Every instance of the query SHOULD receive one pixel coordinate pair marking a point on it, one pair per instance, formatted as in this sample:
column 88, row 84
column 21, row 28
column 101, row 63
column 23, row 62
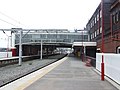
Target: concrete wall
column 4, row 54
column 112, row 65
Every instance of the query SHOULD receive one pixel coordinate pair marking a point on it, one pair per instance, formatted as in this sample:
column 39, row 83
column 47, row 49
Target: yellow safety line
column 38, row 76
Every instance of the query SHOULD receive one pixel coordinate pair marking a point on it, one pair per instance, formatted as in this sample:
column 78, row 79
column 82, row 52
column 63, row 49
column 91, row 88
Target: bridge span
column 50, row 39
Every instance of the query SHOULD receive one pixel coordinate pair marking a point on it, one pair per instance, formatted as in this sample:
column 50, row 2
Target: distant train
column 5, row 50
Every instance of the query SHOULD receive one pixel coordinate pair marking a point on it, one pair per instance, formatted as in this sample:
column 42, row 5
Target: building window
column 116, row 17
column 87, row 28
column 118, row 50
column 91, row 36
column 95, row 19
column 98, row 17
column 95, row 33
column 100, row 29
column 100, row 13
column 119, row 15
column 93, row 22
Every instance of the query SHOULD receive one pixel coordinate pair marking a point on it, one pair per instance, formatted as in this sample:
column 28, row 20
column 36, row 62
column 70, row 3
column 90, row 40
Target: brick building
column 106, row 20
column 115, row 25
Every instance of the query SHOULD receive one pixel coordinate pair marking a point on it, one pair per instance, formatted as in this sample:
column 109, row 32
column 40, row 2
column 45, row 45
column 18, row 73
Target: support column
column 47, row 51
column 84, row 53
column 20, row 48
column 41, row 51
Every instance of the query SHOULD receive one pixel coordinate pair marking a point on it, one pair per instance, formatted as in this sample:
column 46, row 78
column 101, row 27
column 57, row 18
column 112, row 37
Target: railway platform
column 69, row 73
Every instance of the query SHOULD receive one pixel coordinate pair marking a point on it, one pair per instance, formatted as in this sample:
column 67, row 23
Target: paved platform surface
column 11, row 72
column 72, row 74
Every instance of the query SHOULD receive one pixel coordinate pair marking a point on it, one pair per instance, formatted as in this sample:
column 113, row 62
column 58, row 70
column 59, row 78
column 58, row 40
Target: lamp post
column 102, row 63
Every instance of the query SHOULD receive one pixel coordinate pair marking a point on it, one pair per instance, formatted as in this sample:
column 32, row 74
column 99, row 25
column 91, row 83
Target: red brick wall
column 110, row 45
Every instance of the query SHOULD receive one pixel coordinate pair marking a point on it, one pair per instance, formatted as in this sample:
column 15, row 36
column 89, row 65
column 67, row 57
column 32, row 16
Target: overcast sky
column 47, row 14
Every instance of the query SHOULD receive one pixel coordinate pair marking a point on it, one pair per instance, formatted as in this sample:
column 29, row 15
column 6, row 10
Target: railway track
column 11, row 73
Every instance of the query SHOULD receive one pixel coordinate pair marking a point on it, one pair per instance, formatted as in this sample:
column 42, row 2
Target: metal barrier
column 14, row 60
